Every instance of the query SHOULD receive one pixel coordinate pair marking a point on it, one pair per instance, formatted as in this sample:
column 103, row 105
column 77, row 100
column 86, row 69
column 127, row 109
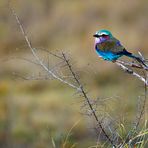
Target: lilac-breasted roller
column 109, row 48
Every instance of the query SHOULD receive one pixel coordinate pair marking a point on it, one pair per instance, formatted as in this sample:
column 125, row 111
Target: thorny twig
column 138, row 119
column 130, row 64
column 40, row 62
column 142, row 108
column 87, row 99
column 131, row 71
column 79, row 88
column 124, row 65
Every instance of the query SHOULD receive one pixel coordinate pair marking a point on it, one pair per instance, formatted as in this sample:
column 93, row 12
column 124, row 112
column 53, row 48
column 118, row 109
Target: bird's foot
column 114, row 61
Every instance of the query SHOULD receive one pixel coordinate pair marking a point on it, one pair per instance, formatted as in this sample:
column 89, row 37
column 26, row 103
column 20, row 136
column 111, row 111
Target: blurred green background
column 34, row 112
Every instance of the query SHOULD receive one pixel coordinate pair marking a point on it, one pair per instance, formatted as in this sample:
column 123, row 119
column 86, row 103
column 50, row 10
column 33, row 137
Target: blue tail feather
column 139, row 59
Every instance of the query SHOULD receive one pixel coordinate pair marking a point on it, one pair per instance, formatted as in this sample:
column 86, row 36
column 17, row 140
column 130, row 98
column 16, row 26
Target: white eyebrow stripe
column 103, row 33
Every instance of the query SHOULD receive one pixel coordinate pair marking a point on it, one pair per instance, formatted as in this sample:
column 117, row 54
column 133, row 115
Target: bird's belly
column 107, row 55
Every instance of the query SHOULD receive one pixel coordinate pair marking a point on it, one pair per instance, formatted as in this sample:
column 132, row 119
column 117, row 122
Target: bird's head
column 102, row 35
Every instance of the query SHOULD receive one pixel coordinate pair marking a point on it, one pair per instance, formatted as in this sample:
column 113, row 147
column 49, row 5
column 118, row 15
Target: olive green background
column 34, row 112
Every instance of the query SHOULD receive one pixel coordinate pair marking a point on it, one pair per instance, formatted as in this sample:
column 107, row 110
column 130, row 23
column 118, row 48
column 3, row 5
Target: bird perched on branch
column 109, row 48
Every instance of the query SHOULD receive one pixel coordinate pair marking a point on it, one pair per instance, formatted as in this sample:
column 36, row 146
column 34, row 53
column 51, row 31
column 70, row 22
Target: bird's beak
column 96, row 36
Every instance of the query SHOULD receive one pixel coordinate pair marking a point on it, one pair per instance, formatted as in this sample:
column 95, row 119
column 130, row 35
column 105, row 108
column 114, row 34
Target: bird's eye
column 104, row 35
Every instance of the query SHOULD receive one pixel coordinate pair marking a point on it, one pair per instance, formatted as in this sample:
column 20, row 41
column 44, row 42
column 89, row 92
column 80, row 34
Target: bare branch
column 142, row 107
column 79, row 87
column 92, row 110
column 35, row 54
column 51, row 53
column 22, row 58
column 138, row 117
column 130, row 64
column 130, row 71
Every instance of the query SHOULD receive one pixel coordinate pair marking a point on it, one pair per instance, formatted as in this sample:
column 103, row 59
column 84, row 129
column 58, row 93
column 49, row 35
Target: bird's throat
column 97, row 40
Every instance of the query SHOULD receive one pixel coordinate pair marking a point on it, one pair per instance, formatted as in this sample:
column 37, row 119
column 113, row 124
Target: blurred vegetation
column 33, row 113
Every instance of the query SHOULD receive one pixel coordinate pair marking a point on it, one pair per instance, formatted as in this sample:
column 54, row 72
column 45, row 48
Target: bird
column 109, row 48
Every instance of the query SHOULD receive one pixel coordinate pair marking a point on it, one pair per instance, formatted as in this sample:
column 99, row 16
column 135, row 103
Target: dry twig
column 87, row 99
column 78, row 87
column 126, row 66
column 123, row 65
